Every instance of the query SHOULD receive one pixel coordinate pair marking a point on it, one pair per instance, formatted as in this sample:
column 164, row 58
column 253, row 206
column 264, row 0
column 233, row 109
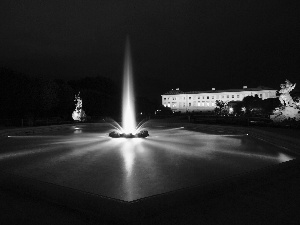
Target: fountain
column 81, row 167
column 78, row 114
column 129, row 129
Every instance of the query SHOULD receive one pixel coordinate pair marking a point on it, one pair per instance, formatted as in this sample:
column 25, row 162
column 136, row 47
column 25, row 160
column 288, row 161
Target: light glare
column 128, row 115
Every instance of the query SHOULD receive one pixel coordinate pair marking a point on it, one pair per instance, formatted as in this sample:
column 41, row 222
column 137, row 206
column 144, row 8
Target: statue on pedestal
column 78, row 113
column 288, row 109
column 285, row 97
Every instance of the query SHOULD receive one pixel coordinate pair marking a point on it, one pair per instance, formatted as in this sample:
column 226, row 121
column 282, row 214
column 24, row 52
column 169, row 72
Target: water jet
column 129, row 128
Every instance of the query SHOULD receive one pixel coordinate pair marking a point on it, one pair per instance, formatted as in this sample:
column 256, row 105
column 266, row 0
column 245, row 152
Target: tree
column 144, row 105
column 48, row 95
column 250, row 106
column 16, row 94
column 221, row 108
column 164, row 110
column 65, row 97
column 101, row 97
column 255, row 106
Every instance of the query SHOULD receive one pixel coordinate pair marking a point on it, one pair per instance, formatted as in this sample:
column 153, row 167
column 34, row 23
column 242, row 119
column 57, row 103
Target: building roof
column 174, row 92
column 260, row 88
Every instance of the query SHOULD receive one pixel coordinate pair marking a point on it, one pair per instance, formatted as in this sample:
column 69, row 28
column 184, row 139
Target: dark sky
column 193, row 45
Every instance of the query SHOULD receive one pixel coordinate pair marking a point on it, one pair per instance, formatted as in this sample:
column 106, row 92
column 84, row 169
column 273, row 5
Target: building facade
column 180, row 101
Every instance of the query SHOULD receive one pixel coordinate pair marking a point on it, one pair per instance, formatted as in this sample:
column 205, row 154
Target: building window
column 165, row 98
column 198, row 103
column 190, row 97
column 183, row 104
column 238, row 96
column 198, row 97
column 207, row 103
column 174, row 105
column 260, row 95
column 227, row 96
column 174, row 98
column 207, row 97
column 190, row 104
column 232, row 96
column 212, row 97
column 183, row 98
column 222, row 96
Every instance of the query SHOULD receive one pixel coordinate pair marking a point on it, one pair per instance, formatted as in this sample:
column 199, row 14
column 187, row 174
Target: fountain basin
column 173, row 164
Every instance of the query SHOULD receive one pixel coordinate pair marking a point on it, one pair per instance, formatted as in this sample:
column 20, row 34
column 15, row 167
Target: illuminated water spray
column 128, row 109
column 129, row 127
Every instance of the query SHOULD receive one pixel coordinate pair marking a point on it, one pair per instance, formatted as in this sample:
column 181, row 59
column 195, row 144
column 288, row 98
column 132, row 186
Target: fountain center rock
column 141, row 134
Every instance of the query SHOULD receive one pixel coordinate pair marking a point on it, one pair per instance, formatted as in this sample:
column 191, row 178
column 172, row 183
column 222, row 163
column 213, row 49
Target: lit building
column 190, row 101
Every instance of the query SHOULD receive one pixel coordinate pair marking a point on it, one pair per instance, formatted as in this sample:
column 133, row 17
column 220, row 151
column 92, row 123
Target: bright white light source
column 128, row 117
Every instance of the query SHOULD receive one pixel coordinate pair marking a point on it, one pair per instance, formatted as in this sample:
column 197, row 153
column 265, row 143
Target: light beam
column 128, row 112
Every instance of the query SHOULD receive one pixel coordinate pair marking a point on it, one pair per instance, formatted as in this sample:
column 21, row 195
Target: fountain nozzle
column 141, row 134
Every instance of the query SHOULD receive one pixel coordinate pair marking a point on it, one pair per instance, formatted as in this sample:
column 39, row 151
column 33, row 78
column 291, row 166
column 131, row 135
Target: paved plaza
column 172, row 158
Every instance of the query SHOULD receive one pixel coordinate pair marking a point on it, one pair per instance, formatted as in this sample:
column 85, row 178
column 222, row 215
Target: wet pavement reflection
column 86, row 158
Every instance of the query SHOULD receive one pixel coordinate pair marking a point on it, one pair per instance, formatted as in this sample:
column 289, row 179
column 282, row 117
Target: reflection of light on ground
column 128, row 156
column 208, row 146
column 20, row 153
column 84, row 144
column 131, row 149
column 224, row 135
column 283, row 157
column 72, row 141
column 77, row 131
column 180, row 141
column 34, row 136
column 79, row 151
column 88, row 148
column 132, row 168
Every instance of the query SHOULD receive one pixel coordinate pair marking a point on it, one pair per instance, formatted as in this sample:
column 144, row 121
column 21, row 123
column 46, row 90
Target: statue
column 78, row 113
column 285, row 97
column 288, row 109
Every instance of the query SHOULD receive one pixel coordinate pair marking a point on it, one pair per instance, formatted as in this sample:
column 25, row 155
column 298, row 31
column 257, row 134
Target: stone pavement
column 276, row 202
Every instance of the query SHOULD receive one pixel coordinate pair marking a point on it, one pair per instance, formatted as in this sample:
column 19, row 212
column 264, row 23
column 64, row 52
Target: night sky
column 193, row 45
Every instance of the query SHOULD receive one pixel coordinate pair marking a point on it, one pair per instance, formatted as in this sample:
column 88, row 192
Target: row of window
column 217, row 97
column 174, row 105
